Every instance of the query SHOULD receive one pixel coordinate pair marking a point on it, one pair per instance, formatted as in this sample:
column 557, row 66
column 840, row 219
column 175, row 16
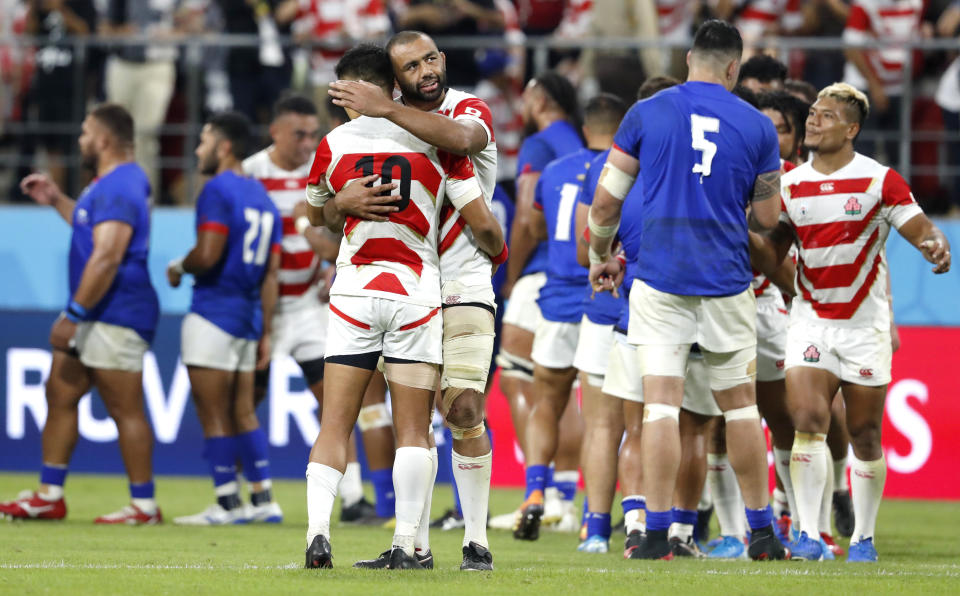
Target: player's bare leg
column 603, row 430
column 838, row 441
column 122, row 393
column 517, row 389
column 376, row 428
column 631, row 476
column 809, row 394
column 869, row 468
column 69, row 380
column 551, row 390
column 691, row 475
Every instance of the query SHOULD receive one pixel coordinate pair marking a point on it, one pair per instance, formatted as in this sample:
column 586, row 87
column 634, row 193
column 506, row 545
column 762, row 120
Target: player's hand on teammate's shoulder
column 40, row 188
column 62, row 332
column 367, row 202
column 937, row 251
column 361, row 96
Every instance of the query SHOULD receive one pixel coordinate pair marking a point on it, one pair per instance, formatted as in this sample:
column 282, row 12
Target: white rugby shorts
column 109, row 347
column 772, row 319
column 454, row 293
column 593, row 347
column 366, row 324
column 204, row 344
column 301, row 333
column 860, row 356
column 522, row 309
column 555, row 344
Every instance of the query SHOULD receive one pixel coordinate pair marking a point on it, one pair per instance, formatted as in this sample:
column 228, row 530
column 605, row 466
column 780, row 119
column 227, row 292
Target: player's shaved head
column 116, row 120
column 405, row 37
column 367, row 62
column 716, row 52
column 603, row 113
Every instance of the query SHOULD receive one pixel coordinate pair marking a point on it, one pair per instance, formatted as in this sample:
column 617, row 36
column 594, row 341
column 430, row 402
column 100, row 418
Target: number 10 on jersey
column 699, row 126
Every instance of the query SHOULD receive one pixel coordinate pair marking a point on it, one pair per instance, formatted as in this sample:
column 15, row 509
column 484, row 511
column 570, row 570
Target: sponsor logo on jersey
column 852, row 206
column 826, row 187
column 866, row 372
column 811, row 354
column 452, row 299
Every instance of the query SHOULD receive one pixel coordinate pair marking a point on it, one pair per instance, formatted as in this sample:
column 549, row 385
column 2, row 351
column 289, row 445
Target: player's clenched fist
column 40, row 188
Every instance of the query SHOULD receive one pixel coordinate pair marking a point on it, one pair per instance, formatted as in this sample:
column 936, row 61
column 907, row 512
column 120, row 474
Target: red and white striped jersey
column 460, row 257
column 337, row 20
column 763, row 16
column 675, row 18
column 298, row 263
column 396, row 259
column 506, row 109
column 841, row 221
column 891, row 21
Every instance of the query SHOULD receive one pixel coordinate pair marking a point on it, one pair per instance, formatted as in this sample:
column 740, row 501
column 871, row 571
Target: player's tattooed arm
column 765, row 211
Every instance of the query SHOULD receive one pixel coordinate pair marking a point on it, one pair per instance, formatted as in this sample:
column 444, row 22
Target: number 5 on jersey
column 699, row 126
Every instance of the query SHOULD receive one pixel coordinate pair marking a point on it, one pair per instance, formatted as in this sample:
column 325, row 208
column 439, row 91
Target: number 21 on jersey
column 259, row 223
column 699, row 126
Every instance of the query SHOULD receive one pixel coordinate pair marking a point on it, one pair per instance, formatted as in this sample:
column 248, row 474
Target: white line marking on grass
column 190, row 566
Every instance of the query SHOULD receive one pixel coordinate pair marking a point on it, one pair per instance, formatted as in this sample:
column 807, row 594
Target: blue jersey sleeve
column 277, row 239
column 538, row 195
column 768, row 158
column 111, row 203
column 213, row 209
column 628, row 136
column 534, row 155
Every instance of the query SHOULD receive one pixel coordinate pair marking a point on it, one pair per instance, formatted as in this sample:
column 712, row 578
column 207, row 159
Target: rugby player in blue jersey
column 226, row 335
column 706, row 157
column 100, row 338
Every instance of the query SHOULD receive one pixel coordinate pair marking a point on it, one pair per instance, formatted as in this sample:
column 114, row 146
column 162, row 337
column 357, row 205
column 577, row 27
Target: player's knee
column 374, row 416
column 731, row 369
column 463, row 433
column 463, row 408
column 656, row 412
column 864, row 435
column 746, row 413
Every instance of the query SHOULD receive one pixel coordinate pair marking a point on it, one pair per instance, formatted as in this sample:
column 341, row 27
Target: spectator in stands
column 621, row 72
column 339, row 25
column 454, row 18
column 948, row 98
column 502, row 93
column 879, row 73
column 142, row 78
column 760, row 20
column 258, row 75
column 763, row 73
column 824, row 18
column 54, row 98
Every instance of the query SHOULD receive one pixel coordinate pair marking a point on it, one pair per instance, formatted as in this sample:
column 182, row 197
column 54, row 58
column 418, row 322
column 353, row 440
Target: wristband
column 301, row 224
column 597, row 258
column 501, row 258
column 75, row 312
column 177, row 266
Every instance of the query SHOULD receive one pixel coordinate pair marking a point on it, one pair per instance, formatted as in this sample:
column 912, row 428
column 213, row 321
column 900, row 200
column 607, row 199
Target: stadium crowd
column 654, row 280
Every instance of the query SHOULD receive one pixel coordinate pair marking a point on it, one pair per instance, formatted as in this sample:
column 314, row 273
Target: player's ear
column 853, row 129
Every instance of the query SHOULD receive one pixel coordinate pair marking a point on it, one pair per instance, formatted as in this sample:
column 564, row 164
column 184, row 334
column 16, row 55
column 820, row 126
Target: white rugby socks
column 322, row 482
column 412, row 467
column 727, row 502
column 472, row 475
column 781, row 461
column 808, row 474
column 826, row 503
column 422, row 542
column 866, row 483
column 351, row 487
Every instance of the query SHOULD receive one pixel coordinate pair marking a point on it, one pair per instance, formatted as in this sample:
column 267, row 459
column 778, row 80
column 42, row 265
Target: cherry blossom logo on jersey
column 811, row 354
column 826, row 187
column 452, row 299
column 866, row 372
column 852, row 206
column 780, row 364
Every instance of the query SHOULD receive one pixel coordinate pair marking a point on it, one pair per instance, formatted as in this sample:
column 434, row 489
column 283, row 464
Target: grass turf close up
column 918, row 554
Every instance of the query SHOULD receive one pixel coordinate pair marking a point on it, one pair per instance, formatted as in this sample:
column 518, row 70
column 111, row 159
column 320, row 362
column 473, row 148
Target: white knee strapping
column 617, row 182
column 460, row 433
column 654, row 412
column 663, row 361
column 375, row 416
column 468, row 335
column 419, row 375
column 514, row 366
column 729, row 369
column 745, row 413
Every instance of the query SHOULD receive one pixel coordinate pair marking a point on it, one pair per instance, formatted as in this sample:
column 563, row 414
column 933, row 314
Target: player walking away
column 838, row 209
column 100, row 338
column 560, row 302
column 300, row 323
column 458, row 123
column 694, row 206
column 386, row 298
column 226, row 334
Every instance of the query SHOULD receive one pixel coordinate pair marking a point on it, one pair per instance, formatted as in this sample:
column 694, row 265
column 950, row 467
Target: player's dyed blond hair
column 850, row 96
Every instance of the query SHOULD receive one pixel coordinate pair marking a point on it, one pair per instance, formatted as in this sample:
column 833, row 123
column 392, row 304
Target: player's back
column 228, row 294
column 396, row 259
column 700, row 150
column 121, row 195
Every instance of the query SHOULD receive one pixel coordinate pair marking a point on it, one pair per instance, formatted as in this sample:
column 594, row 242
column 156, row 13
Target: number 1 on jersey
column 568, row 202
column 699, row 126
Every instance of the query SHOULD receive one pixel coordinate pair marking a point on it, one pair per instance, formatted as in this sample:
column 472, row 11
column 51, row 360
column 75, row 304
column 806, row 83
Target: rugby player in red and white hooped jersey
column 838, row 209
column 458, row 123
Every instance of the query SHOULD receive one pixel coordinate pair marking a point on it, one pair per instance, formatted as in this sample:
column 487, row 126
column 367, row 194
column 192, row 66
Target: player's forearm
column 522, row 246
column 333, row 217
column 64, row 206
column 767, row 253
column 784, row 277
column 859, row 60
column 269, row 293
column 440, row 131
column 315, row 215
column 196, row 262
column 96, row 279
column 323, row 244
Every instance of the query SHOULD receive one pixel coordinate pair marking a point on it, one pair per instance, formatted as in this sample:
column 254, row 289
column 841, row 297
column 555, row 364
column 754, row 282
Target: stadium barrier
column 920, row 435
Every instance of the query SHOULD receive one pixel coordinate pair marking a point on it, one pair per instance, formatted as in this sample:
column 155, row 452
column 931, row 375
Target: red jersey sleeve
column 474, row 108
column 458, row 167
column 858, row 20
column 895, row 190
column 321, row 162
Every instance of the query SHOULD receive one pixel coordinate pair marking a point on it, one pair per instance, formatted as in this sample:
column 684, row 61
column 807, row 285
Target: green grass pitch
column 917, row 541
